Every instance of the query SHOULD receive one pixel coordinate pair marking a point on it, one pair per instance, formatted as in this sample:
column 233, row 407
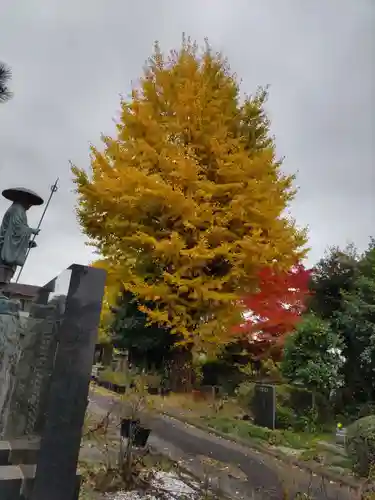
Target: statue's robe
column 15, row 236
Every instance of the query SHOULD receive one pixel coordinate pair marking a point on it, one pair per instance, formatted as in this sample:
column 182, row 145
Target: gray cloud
column 71, row 61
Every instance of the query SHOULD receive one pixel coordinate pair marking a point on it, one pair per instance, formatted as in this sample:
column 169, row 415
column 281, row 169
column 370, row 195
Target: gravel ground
column 173, row 487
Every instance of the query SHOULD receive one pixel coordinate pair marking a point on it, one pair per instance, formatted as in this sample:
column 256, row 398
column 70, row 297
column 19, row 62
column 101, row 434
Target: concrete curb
column 355, row 484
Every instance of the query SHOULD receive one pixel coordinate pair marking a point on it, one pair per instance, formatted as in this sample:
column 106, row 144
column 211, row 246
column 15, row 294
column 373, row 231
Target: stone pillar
column 33, row 373
column 11, row 332
column 66, row 402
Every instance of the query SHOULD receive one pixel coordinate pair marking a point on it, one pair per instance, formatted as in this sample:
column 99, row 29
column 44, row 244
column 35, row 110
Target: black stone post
column 66, row 402
column 264, row 405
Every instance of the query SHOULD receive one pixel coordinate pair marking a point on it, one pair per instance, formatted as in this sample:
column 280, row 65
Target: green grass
column 248, row 431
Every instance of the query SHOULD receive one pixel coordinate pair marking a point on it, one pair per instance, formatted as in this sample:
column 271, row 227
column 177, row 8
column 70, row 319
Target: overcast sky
column 72, row 59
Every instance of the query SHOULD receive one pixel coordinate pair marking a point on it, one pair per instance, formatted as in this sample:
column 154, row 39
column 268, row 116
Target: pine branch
column 5, row 75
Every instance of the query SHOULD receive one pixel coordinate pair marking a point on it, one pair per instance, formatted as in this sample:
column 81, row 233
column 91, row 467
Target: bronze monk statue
column 15, row 234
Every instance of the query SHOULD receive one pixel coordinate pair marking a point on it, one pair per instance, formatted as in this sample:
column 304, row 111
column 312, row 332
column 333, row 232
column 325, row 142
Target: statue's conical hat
column 23, row 194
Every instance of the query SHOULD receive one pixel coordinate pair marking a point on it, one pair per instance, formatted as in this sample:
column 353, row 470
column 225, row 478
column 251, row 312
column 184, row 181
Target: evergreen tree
column 355, row 323
column 334, row 274
column 5, row 75
column 313, row 356
column 148, row 345
column 343, row 285
column 367, row 262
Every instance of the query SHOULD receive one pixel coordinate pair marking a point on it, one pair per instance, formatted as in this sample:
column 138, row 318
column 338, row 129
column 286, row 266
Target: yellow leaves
column 187, row 202
column 111, row 291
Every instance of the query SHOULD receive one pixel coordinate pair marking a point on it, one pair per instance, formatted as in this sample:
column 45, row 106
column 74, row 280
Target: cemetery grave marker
column 264, row 405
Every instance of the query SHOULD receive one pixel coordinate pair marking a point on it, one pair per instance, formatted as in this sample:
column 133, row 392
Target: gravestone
column 46, row 362
column 264, row 405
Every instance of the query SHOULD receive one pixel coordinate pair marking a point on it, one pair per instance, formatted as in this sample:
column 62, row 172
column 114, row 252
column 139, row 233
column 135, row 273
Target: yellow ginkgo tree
column 187, row 202
column 111, row 293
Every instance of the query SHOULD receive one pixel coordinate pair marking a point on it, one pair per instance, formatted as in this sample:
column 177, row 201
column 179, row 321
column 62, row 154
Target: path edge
column 355, row 484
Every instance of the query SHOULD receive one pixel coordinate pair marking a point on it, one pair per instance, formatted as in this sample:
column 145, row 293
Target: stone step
column 19, row 451
column 16, row 481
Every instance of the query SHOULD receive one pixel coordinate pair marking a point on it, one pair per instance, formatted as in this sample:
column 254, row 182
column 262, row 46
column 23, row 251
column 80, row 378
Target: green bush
column 283, row 394
column 275, row 438
column 246, row 430
column 112, row 377
column 257, row 432
column 295, row 440
column 285, row 417
column 360, row 445
column 294, row 407
column 366, row 410
column 301, row 399
column 297, row 408
column 245, row 394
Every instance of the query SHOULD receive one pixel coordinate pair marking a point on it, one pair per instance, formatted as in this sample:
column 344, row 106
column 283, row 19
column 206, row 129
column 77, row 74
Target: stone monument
column 49, row 359
column 15, row 241
column 45, row 367
column 15, row 234
column 264, row 405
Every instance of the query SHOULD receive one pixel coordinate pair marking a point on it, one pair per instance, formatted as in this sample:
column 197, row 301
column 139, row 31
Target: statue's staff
column 31, row 244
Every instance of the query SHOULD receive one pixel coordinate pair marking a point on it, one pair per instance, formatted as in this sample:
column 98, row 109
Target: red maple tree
column 275, row 310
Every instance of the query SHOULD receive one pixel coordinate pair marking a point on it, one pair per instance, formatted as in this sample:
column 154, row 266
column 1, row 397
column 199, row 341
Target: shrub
column 245, row 394
column 246, row 430
column 360, row 444
column 223, row 373
column 300, row 399
column 366, row 410
column 275, row 438
column 298, row 408
column 285, row 417
column 294, row 407
column 257, row 432
column 283, row 394
column 222, row 424
column 293, row 440
column 153, row 381
column 116, row 378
